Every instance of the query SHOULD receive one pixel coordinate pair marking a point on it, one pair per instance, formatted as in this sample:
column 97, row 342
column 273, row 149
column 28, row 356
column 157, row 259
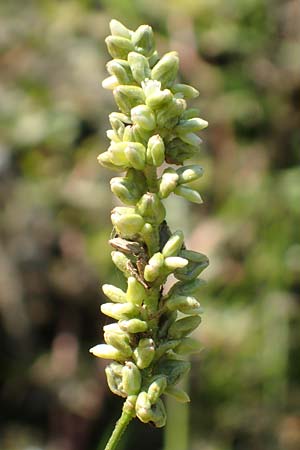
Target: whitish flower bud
column 110, row 83
column 133, row 325
column 178, row 394
column 139, row 66
column 107, row 352
column 136, row 155
column 118, row 29
column 143, row 407
column 174, row 244
column 175, row 262
column 185, row 90
column 135, row 291
column 190, row 126
column 119, row 47
column 120, row 311
column 166, row 69
column 121, row 70
column 187, row 346
column 168, row 115
column 143, row 116
column 113, row 136
column 190, row 173
column 188, row 194
column 117, row 153
column 190, row 138
column 121, row 261
column 120, row 116
column 114, row 378
column 186, row 305
column 105, row 161
column 156, row 388
column 143, row 40
column 124, row 190
column 114, row 293
column 155, row 153
column 173, row 369
column 127, row 224
column 168, row 182
column 159, row 99
column 151, row 208
column 183, row 327
column 197, row 263
column 128, row 97
column 117, row 125
column 131, row 378
column 144, row 353
column 118, row 339
column 154, row 267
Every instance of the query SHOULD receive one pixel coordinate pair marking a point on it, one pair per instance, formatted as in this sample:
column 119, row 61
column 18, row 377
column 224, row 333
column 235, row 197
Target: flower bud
column 107, row 352
column 119, row 47
column 127, row 224
column 131, row 377
column 190, row 113
column 168, row 182
column 124, row 190
column 177, row 393
column 143, row 116
column 188, row 346
column 158, row 414
column 117, row 153
column 118, row 339
column 186, row 305
column 197, row 263
column 190, row 138
column 155, row 154
column 188, row 194
column 133, row 325
column 143, row 40
column 183, row 327
column 190, row 126
column 168, row 115
column 127, row 97
column 135, row 292
column 112, row 135
column 151, row 208
column 156, row 388
column 166, row 69
column 175, row 262
column 154, row 267
column 114, row 378
column 174, row 244
column 136, row 155
column 173, row 369
column 190, row 173
column 178, row 151
column 185, row 90
column 122, row 262
column 110, row 83
column 117, row 125
column 114, row 293
column 144, row 353
column 119, row 311
column 118, row 29
column 121, row 70
column 139, row 66
column 143, row 407
column 104, row 160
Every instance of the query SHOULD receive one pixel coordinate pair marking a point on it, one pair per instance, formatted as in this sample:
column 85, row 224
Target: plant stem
column 119, row 429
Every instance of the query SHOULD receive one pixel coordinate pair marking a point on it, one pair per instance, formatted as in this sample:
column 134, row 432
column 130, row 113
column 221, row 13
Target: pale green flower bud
column 187, row 346
column 120, row 311
column 175, row 262
column 127, row 97
column 110, row 83
column 133, row 326
column 177, row 393
column 155, row 153
column 190, row 126
column 124, row 190
column 121, row 70
column 119, row 47
column 159, row 99
column 168, row 115
column 114, row 293
column 159, row 414
column 151, row 208
column 190, row 138
column 188, row 194
column 136, row 155
column 174, row 244
column 127, row 224
column 144, row 353
column 117, row 153
column 104, row 160
column 197, row 263
column 143, row 116
column 143, row 40
column 154, row 267
column 153, row 58
column 140, row 134
column 186, row 305
column 114, row 378
column 156, row 388
column 121, row 261
column 119, row 116
column 118, row 29
column 190, row 113
column 112, row 135
column 178, row 151
column 143, row 407
column 132, row 378
column 135, row 292
column 183, row 327
column 139, row 66
column 118, row 339
column 166, row 69
column 107, row 352
column 190, row 173
column 168, row 182
column 174, row 369
column 185, row 90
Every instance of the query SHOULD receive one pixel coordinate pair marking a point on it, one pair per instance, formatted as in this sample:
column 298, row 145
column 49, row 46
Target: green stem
column 119, row 429
column 176, row 431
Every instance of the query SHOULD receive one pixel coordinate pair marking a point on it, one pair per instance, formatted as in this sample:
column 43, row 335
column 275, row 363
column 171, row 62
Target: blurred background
column 244, row 58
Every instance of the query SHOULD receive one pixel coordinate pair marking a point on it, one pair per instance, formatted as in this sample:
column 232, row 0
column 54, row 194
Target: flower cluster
column 149, row 341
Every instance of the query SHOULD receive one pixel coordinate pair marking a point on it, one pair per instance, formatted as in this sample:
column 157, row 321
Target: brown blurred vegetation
column 243, row 56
